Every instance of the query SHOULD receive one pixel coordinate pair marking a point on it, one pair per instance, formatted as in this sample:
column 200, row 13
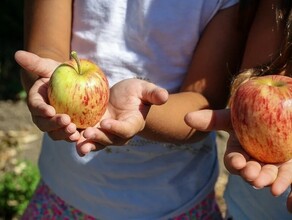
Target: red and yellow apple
column 80, row 89
column 261, row 115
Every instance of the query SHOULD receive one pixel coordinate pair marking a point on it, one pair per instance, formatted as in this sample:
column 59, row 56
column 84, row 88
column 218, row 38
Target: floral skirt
column 45, row 204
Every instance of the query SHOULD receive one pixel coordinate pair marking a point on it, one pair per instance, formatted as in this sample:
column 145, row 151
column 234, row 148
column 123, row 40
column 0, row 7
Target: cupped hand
column 129, row 104
column 58, row 126
column 277, row 176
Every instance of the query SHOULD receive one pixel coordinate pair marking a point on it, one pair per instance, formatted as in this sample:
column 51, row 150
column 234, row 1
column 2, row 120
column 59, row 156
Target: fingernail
column 257, row 188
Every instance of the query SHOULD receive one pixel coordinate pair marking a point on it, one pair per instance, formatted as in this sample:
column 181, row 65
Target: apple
column 80, row 89
column 261, row 115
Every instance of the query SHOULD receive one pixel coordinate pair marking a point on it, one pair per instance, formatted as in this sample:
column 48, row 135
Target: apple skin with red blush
column 80, row 89
column 261, row 116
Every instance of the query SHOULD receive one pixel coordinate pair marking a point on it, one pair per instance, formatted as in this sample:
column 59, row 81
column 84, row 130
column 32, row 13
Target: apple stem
column 75, row 57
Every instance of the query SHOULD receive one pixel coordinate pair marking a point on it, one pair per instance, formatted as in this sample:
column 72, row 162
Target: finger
column 234, row 162
column 262, row 176
column 53, row 123
column 251, row 171
column 103, row 138
column 235, row 158
column 84, row 146
column 126, row 128
column 283, row 180
column 68, row 133
column 41, row 109
column 74, row 137
column 37, row 100
column 35, row 64
column 207, row 120
column 153, row 94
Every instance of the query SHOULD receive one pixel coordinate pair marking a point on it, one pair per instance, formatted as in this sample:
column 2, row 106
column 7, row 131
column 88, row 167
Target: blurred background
column 19, row 139
column 11, row 39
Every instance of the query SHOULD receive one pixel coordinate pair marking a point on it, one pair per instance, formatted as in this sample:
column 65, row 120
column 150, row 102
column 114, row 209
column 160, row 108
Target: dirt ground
column 16, row 128
column 17, row 132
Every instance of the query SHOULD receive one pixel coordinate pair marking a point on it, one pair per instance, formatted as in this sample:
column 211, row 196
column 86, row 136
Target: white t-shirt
column 154, row 39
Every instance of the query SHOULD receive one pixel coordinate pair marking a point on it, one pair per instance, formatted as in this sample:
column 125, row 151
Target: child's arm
column 47, row 33
column 206, row 85
column 217, row 55
column 263, row 44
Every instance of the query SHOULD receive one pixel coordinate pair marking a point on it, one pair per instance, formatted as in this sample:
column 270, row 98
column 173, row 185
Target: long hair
column 282, row 61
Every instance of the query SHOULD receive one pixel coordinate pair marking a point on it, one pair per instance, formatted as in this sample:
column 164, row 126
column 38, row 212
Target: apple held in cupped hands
column 80, row 89
column 261, row 115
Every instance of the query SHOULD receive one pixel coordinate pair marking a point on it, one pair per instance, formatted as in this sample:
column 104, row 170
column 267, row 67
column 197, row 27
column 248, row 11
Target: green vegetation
column 16, row 188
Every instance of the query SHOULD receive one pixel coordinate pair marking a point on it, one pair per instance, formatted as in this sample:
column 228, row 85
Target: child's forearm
column 166, row 122
column 47, row 31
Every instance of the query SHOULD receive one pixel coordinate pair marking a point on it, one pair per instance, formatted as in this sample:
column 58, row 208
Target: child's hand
column 130, row 101
column 237, row 161
column 58, row 126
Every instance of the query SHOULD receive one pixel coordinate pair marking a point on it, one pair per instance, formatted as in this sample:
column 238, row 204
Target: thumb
column 32, row 63
column 153, row 94
column 208, row 120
